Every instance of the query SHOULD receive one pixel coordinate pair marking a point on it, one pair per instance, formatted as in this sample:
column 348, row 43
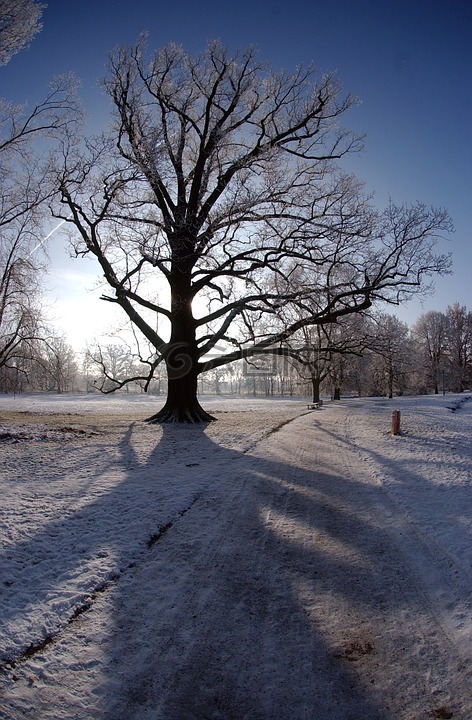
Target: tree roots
column 174, row 415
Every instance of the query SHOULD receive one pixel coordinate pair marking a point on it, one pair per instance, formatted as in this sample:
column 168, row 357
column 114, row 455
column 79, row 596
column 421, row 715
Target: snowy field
column 280, row 563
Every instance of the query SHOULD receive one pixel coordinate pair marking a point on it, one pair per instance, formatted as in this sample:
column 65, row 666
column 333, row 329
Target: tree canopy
column 222, row 178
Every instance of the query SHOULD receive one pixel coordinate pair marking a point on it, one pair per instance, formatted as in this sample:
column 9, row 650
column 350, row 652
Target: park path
column 285, row 593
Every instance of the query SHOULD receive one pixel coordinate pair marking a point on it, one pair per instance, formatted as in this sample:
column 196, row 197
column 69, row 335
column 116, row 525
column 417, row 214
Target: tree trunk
column 182, row 404
column 390, row 381
column 315, row 382
column 337, row 393
column 181, row 357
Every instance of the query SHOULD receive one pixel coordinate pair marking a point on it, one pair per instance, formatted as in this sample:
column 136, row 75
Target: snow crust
column 280, row 557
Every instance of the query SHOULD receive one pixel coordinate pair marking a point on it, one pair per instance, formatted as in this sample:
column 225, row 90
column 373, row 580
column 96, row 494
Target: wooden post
column 395, row 422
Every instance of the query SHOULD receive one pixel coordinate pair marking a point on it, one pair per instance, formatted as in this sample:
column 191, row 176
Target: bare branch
column 220, row 179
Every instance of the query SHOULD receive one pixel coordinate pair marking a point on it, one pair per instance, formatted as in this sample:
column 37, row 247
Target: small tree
column 392, row 347
column 459, row 346
column 430, row 335
column 55, row 368
column 326, row 354
column 20, row 315
column 116, row 365
column 220, row 179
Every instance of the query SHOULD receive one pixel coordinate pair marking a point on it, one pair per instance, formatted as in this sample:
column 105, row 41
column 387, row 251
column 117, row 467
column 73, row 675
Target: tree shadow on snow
column 243, row 608
column 236, row 578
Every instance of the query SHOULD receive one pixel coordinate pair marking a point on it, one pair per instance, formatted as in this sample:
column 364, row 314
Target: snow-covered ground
column 279, row 563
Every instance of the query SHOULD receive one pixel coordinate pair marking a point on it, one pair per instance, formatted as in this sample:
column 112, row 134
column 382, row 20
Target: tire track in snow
column 443, row 580
column 280, row 589
column 394, row 619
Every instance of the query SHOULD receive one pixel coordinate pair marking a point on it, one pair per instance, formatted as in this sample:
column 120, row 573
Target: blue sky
column 409, row 62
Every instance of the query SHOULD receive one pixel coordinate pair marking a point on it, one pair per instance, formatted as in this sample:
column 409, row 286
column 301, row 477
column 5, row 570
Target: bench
column 315, row 406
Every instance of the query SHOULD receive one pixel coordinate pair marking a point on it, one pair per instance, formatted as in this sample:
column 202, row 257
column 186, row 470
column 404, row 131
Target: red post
column 395, row 422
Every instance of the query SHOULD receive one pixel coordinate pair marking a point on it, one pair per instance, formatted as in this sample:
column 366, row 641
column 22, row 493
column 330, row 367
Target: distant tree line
column 382, row 356
column 364, row 356
column 368, row 356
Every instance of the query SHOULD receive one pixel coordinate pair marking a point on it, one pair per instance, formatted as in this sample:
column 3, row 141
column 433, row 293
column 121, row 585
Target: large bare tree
column 221, row 179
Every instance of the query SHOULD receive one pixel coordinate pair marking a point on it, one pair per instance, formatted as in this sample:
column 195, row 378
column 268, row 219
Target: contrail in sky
column 40, row 243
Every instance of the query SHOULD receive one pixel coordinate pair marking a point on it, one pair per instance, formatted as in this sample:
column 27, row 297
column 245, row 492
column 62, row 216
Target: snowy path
column 288, row 579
